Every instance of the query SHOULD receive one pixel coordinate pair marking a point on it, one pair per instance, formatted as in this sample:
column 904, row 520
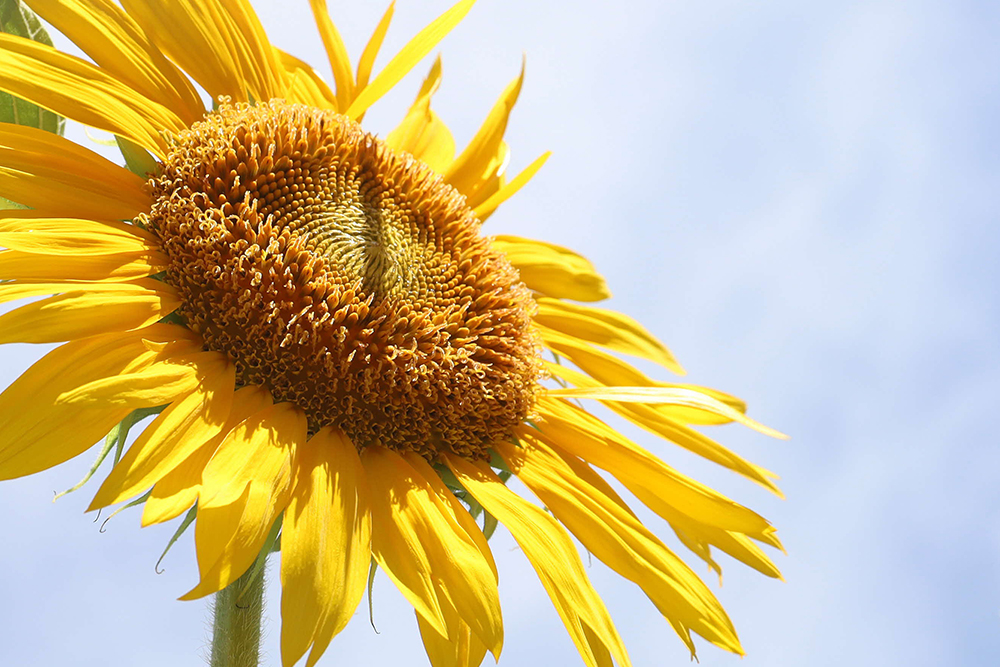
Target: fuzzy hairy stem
column 236, row 630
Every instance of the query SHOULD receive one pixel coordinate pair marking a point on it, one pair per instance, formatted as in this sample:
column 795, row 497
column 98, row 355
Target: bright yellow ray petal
column 244, row 488
column 45, row 171
column 585, row 436
column 156, row 384
column 192, row 35
column 305, row 85
column 188, row 423
column 553, row 270
column 408, row 57
column 657, row 420
column 37, row 433
column 367, row 60
column 116, row 43
column 340, row 63
column 178, row 489
column 57, row 236
column 666, row 396
column 614, row 535
column 465, row 650
column 555, row 560
column 83, row 92
column 485, row 157
column 422, row 133
column 81, row 314
column 266, row 77
column 15, row 265
column 427, row 554
column 325, row 544
column 606, row 328
column 486, row 209
column 12, row 291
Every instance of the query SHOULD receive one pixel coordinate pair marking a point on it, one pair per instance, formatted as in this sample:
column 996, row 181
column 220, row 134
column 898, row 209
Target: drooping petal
column 56, row 236
column 572, row 492
column 407, row 58
column 325, row 544
column 81, row 314
column 48, row 172
column 464, row 649
column 38, row 433
column 585, row 436
column 427, row 554
column 553, row 270
column 422, row 133
column 245, row 487
column 116, row 43
column 555, row 560
column 83, row 92
column 188, row 423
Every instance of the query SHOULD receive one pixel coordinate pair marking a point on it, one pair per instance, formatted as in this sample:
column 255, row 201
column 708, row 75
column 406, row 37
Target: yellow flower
column 329, row 337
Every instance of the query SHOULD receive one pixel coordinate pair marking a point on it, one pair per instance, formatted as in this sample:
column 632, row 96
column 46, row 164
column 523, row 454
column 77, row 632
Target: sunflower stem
column 237, row 613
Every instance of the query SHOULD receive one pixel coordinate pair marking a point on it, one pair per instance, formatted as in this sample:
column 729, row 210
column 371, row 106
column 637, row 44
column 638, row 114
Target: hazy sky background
column 801, row 200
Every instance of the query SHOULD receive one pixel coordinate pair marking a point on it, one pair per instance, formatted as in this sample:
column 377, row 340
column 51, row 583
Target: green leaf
column 16, row 19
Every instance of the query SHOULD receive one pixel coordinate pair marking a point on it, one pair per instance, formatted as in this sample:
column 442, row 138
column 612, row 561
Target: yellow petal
column 13, row 290
column 15, row 265
column 426, row 553
column 37, row 433
column 608, row 530
column 464, row 650
column 188, row 423
column 48, row 172
column 57, row 236
column 585, row 436
column 116, row 43
column 203, row 37
column 666, row 396
column 486, row 209
column 657, row 420
column 553, row 270
column 422, row 133
column 83, row 92
column 606, row 328
column 484, row 157
column 337, row 53
column 262, row 68
column 367, row 60
column 305, row 85
column 407, row 58
column 244, row 488
column 178, row 489
column 555, row 560
column 325, row 544
column 81, row 314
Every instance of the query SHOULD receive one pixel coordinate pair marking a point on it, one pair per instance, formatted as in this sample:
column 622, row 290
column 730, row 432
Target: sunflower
column 340, row 362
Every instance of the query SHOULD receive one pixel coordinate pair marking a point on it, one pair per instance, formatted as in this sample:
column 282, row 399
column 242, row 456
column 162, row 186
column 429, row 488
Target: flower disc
column 346, row 278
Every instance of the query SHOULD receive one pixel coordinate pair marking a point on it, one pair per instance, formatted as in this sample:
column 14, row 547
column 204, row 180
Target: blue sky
column 800, row 199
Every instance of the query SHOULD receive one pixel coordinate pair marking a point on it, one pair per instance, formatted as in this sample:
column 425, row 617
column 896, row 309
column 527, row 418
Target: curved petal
column 325, row 545
column 68, row 236
column 340, row 63
column 16, row 265
column 508, row 190
column 553, row 270
column 463, row 650
column 422, row 133
column 305, row 85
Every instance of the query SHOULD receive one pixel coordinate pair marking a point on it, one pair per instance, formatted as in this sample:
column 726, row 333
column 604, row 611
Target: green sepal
column 137, row 159
column 6, row 204
column 16, row 19
column 138, row 501
column 188, row 518
column 372, row 569
column 117, row 436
